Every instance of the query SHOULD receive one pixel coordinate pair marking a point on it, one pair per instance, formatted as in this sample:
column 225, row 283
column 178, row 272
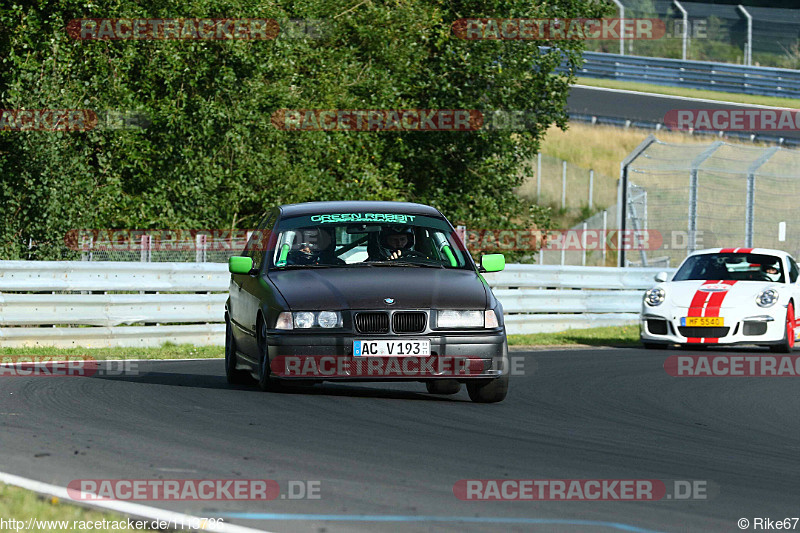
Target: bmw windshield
column 367, row 240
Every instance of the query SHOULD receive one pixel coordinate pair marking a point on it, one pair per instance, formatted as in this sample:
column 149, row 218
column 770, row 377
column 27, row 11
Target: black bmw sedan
column 364, row 291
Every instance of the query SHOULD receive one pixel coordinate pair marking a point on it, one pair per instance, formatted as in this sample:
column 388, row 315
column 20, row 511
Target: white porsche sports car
column 724, row 296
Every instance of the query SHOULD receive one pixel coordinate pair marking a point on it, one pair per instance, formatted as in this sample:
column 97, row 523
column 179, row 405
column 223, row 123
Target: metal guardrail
column 87, row 303
column 761, row 81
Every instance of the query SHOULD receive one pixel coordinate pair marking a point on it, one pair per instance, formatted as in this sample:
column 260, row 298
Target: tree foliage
column 209, row 156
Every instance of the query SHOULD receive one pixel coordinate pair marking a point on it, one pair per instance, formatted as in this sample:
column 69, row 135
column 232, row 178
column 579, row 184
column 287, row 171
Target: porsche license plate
column 703, row 321
column 388, row 348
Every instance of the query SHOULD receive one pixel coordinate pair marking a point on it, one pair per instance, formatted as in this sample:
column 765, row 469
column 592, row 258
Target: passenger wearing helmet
column 315, row 247
column 393, row 242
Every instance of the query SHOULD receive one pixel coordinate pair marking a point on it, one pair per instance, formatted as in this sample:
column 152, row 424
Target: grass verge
column 608, row 336
column 167, row 351
column 691, row 93
column 23, row 505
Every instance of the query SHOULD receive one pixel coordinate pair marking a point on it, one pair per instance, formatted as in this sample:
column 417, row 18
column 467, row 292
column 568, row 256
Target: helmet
column 312, row 242
column 389, row 240
column 772, row 271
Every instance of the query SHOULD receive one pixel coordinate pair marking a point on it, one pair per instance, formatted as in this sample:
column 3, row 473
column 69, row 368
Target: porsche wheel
column 787, row 344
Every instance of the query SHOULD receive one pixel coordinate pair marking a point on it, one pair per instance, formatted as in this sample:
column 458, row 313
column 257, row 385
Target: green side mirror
column 240, row 265
column 493, row 262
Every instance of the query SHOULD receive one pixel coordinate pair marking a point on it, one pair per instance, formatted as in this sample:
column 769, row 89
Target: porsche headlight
column 654, row 297
column 767, row 298
column 460, row 319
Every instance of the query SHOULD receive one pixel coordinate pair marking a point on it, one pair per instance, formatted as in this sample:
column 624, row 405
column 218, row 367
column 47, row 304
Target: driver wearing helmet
column 393, row 241
column 772, row 271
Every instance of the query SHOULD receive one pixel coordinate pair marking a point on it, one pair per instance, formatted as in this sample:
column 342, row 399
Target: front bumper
column 741, row 326
column 463, row 356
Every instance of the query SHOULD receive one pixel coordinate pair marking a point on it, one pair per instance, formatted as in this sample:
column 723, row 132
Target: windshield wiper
column 296, row 267
column 404, row 263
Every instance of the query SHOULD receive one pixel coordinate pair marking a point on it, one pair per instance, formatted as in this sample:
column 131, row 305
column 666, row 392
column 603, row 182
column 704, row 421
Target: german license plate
column 703, row 321
column 388, row 348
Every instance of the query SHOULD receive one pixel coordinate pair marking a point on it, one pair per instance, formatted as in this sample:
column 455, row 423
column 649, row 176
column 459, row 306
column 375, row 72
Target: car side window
column 256, row 245
column 793, row 270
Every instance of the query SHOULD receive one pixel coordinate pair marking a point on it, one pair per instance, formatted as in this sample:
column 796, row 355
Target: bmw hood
column 368, row 287
column 726, row 294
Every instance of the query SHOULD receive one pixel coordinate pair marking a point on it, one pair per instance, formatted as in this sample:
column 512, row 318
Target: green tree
column 210, row 158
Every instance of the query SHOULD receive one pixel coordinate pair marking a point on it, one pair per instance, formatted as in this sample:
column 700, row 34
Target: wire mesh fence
column 714, row 32
column 711, row 195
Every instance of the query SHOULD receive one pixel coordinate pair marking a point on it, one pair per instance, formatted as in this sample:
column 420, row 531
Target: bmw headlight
column 328, row 319
column 767, row 298
column 309, row 319
column 303, row 320
column 654, row 297
column 460, row 319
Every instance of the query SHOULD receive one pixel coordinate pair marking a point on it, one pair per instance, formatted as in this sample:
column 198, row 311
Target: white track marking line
column 131, row 509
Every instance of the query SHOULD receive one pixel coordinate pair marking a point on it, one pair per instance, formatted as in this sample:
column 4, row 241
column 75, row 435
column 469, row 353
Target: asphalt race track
column 387, row 456
column 644, row 107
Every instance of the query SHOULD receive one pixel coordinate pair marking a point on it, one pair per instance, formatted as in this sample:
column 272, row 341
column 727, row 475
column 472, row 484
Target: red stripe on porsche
column 736, row 250
column 707, row 304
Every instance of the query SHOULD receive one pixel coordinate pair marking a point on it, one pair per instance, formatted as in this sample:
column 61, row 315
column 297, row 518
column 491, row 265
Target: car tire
column 491, row 391
column 443, row 386
column 787, row 344
column 234, row 376
column 265, row 381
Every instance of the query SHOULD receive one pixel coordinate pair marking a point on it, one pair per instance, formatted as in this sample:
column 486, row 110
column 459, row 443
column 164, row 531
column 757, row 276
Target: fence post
column 200, row 242
column 144, row 252
column 583, row 245
column 605, row 229
column 538, row 176
column 591, row 187
column 749, row 220
column 693, row 193
column 563, row 185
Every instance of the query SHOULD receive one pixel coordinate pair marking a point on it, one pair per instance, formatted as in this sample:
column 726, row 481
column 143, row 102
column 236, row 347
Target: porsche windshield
column 731, row 266
column 367, row 240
